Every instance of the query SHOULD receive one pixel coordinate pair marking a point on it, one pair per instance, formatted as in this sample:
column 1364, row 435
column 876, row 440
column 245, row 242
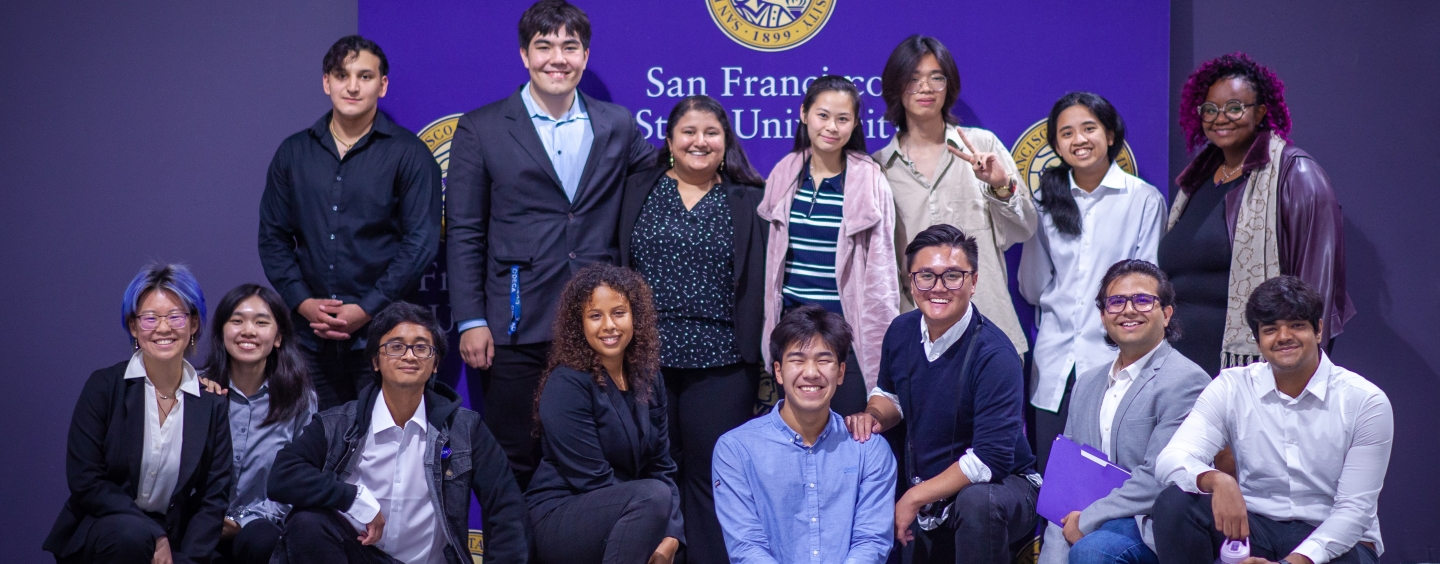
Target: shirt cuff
column 974, row 469
column 1192, row 469
column 1314, row 550
column 469, row 324
column 876, row 391
column 365, row 508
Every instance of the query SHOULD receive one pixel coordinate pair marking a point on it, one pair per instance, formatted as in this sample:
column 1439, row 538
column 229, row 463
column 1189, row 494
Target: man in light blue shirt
column 792, row 485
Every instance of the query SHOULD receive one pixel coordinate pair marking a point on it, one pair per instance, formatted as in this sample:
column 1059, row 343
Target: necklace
column 1225, row 176
column 342, row 141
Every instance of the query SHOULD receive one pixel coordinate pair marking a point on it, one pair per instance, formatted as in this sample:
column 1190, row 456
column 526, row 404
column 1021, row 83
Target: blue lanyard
column 514, row 298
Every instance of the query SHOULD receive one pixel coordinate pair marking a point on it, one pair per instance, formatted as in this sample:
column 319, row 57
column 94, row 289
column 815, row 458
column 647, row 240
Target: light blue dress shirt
column 567, row 142
column 255, row 448
column 781, row 501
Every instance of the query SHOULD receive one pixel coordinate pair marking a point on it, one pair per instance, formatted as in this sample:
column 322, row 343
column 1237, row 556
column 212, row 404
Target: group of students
column 617, row 306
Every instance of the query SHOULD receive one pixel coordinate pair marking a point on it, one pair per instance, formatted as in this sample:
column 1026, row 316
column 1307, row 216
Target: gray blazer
column 1152, row 409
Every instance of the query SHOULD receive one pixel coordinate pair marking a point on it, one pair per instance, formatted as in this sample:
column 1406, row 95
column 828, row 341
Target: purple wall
column 134, row 131
column 1361, row 83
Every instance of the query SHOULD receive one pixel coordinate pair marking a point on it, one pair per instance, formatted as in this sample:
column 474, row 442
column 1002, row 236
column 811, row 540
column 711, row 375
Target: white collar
column 951, row 335
column 576, row 111
column 189, row 379
column 381, row 420
column 1318, row 385
column 1114, row 179
column 1132, row 371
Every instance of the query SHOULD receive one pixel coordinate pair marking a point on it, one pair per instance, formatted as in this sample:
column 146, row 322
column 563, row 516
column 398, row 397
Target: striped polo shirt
column 814, row 229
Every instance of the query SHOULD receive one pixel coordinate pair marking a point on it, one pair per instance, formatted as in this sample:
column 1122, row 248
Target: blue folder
column 1075, row 477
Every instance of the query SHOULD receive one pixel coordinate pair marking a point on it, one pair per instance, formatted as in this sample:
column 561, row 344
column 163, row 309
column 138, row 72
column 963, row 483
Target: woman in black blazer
column 148, row 456
column 604, row 491
column 688, row 225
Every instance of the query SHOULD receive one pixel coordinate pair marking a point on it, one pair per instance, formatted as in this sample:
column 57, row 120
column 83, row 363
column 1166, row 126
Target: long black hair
column 285, row 369
column 736, row 167
column 830, row 83
column 1055, row 197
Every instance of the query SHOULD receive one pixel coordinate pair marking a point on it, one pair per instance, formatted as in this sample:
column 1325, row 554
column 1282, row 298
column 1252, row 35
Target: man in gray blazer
column 1128, row 410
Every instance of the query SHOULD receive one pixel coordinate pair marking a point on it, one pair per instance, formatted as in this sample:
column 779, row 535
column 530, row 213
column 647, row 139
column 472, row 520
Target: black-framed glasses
column 397, row 349
column 150, row 321
column 1143, row 303
column 937, row 83
column 925, row 280
column 1233, row 110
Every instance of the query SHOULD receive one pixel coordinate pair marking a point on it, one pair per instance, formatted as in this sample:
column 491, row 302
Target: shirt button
column 337, row 178
column 572, row 255
column 332, row 267
column 332, row 296
column 812, row 485
column 814, row 552
column 332, row 236
column 572, row 217
column 334, row 208
column 812, row 519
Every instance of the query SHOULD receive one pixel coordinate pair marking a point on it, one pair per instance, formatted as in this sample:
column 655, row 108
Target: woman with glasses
column 688, row 225
column 831, row 217
column 1092, row 215
column 253, row 358
column 148, row 455
column 944, row 173
column 1251, row 206
column 604, row 490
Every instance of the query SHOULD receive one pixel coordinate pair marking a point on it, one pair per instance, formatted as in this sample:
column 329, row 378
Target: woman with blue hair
column 148, row 455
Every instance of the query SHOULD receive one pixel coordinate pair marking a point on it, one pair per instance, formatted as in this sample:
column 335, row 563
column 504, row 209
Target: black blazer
column 102, row 467
column 505, row 206
column 591, row 440
column 751, row 235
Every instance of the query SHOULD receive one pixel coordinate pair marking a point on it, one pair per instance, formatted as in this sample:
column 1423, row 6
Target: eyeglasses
column 936, row 81
column 397, row 349
column 149, row 321
column 1233, row 110
column 1143, row 303
column 925, row 280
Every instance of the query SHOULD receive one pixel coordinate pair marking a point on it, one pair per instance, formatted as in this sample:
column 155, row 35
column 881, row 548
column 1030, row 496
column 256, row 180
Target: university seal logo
column 1033, row 155
column 770, row 25
column 437, row 137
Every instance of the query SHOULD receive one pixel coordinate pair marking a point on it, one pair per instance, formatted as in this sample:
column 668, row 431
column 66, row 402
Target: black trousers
column 1185, row 533
column 323, row 536
column 338, row 371
column 119, row 539
column 253, row 545
column 507, row 392
column 1047, row 425
column 619, row 524
column 705, row 403
column 988, row 524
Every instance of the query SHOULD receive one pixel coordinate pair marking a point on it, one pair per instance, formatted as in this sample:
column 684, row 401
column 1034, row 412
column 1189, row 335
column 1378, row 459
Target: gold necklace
column 342, row 141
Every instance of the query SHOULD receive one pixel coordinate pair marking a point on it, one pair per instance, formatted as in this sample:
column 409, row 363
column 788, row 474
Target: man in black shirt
column 349, row 220
column 534, row 195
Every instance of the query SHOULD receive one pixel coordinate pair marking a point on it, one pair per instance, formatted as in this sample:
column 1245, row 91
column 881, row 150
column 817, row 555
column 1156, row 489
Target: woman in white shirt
column 148, row 455
column 1092, row 215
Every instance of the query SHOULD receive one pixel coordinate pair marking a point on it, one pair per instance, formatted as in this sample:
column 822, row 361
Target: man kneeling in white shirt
column 1311, row 440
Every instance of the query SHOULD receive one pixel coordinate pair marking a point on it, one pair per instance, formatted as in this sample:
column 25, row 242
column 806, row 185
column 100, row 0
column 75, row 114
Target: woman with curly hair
column 604, row 490
column 1251, row 206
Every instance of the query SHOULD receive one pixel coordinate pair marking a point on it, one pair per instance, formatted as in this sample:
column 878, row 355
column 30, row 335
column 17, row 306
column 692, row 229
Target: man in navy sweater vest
column 957, row 381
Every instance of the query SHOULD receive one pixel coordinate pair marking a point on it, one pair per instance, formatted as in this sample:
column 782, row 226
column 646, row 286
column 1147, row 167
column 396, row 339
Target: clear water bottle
column 1234, row 551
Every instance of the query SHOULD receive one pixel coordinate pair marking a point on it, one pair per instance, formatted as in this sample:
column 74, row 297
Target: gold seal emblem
column 437, row 137
column 770, row 25
column 1033, row 155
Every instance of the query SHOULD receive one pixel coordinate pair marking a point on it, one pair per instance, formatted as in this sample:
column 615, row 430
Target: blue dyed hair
column 174, row 278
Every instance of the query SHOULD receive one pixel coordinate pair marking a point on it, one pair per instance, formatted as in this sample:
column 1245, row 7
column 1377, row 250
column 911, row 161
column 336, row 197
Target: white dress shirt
column 1318, row 458
column 391, row 480
column 160, row 461
column 1123, row 218
column 970, row 464
column 1120, row 381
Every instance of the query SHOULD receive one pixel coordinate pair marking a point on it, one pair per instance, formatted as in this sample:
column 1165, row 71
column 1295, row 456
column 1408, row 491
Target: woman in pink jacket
column 832, row 234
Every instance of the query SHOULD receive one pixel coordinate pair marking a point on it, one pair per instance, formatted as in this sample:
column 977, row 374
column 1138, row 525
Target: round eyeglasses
column 1233, row 110
column 422, row 351
column 150, row 321
column 937, row 83
column 925, row 280
column 1143, row 303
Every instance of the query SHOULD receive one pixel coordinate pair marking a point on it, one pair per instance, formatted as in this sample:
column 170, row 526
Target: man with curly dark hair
column 1251, row 206
column 605, row 486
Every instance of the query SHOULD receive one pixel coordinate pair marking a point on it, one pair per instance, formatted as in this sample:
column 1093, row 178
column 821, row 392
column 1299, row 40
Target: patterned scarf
column 1255, row 255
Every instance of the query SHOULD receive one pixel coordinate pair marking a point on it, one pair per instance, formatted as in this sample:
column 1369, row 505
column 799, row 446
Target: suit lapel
column 601, row 128
column 192, row 445
column 625, row 411
column 523, row 131
column 742, row 222
column 1147, row 373
column 134, row 429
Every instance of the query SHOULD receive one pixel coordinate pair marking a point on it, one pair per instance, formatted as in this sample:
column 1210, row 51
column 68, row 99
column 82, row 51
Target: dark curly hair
column 571, row 350
column 1269, row 92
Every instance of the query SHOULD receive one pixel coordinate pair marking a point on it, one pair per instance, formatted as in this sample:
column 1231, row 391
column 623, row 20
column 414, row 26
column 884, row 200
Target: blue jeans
column 1118, row 541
